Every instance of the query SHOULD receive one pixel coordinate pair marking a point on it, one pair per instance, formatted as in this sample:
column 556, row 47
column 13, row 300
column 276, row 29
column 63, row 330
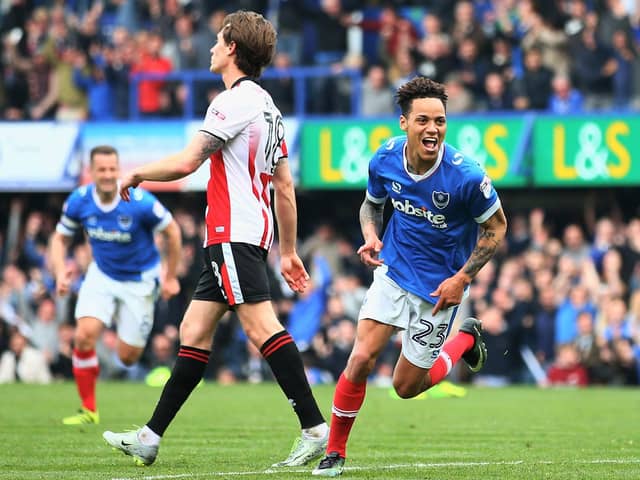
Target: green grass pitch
column 238, row 431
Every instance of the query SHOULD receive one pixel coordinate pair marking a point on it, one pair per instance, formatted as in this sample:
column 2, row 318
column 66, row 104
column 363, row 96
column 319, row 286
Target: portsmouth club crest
column 440, row 199
column 124, row 221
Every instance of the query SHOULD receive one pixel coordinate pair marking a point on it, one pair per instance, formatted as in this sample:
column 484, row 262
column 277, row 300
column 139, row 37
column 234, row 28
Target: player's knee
column 361, row 364
column 405, row 390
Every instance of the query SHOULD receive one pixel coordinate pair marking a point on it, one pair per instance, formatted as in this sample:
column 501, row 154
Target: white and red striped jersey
column 238, row 192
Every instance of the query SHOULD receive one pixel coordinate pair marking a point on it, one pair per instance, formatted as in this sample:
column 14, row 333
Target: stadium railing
column 300, row 75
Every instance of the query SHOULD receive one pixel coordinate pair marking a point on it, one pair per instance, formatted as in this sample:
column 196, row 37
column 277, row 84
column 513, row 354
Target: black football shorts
column 233, row 273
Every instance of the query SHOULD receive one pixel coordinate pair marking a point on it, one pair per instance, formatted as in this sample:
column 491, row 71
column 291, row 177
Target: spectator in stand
column 466, row 27
column 62, row 365
column 502, row 60
column 471, row 66
column 577, row 302
column 625, row 363
column 590, row 350
column 433, row 57
column 180, row 50
column 460, row 99
column 402, row 69
column 615, row 16
column 497, row 337
column 544, row 324
column 630, row 251
column 44, row 330
column 533, row 89
column 497, row 97
column 377, row 96
column 290, row 24
column 611, row 275
column 89, row 75
column 594, row 66
column 119, row 57
column 575, row 244
column 564, row 98
column 396, row 34
column 550, row 42
column 22, row 362
column 625, row 55
column 615, row 321
column 579, row 17
column 281, row 88
column 150, row 61
column 567, row 369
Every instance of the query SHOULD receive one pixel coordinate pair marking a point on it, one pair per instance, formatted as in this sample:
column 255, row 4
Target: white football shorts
column 127, row 303
column 424, row 334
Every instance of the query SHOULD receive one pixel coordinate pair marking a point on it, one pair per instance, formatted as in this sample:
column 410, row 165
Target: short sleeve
column 153, row 212
column 70, row 221
column 482, row 196
column 376, row 191
column 228, row 114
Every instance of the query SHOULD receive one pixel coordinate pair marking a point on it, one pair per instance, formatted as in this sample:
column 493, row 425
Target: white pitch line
column 383, row 467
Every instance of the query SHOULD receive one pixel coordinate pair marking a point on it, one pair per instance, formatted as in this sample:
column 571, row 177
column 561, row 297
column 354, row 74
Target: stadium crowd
column 74, row 59
column 563, row 301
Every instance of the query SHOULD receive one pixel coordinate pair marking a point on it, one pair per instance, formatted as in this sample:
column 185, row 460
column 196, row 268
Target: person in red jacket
column 567, row 369
column 151, row 61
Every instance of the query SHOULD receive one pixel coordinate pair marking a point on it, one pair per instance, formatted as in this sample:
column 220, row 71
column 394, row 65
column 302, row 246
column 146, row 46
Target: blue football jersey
column 434, row 225
column 121, row 233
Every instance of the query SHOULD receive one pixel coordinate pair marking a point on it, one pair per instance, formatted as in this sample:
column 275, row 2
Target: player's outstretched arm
column 58, row 246
column 286, row 212
column 371, row 215
column 492, row 233
column 169, row 284
column 175, row 166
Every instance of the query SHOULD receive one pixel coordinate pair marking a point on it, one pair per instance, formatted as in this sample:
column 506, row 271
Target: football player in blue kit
column 121, row 284
column 447, row 222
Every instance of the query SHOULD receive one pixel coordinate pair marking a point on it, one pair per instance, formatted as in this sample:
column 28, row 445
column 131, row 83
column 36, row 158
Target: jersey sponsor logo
column 125, row 221
column 390, row 144
column 396, row 187
column 437, row 220
column 440, row 199
column 109, row 235
column 457, row 158
column 485, row 187
column 217, row 113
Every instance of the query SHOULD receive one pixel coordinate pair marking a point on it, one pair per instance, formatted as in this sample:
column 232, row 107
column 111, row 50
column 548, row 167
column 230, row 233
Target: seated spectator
column 22, row 362
column 567, row 369
column 564, row 98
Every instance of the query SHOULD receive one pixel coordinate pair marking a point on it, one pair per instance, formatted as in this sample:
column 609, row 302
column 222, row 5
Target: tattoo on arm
column 485, row 249
column 492, row 233
column 208, row 144
column 371, row 213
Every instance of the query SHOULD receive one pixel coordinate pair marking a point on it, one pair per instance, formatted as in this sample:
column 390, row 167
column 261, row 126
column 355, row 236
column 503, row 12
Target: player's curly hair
column 255, row 40
column 419, row 87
